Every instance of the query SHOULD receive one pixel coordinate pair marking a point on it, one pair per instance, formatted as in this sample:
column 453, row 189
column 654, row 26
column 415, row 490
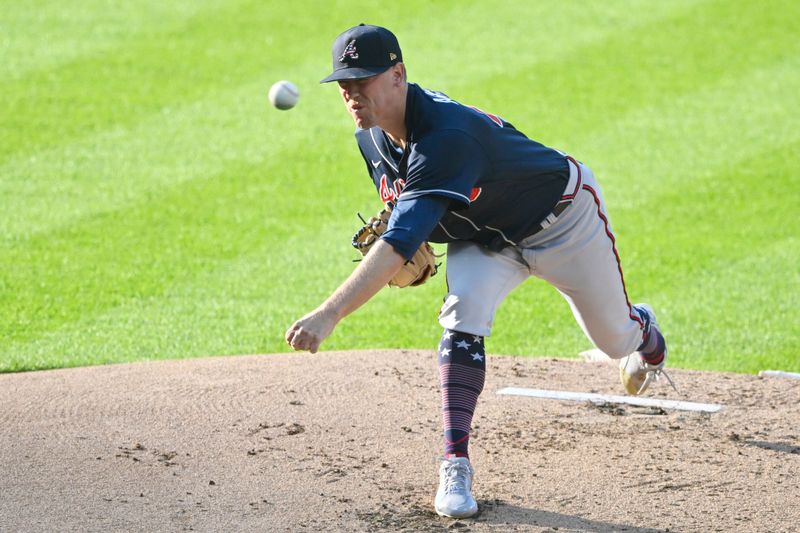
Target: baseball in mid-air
column 284, row 94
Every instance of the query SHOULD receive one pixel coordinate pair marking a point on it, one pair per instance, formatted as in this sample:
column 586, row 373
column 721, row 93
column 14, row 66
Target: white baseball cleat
column 635, row 373
column 454, row 497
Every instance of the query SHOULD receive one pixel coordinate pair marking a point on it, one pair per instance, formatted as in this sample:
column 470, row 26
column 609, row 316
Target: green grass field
column 155, row 206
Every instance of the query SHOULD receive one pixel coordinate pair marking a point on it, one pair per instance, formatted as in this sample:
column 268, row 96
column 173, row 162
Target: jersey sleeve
column 412, row 221
column 448, row 163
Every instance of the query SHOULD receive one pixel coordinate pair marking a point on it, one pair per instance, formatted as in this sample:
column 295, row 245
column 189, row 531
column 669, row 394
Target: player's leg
column 462, row 371
column 478, row 281
column 578, row 255
column 640, row 368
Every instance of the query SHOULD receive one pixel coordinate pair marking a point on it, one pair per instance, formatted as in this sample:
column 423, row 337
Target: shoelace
column 655, row 375
column 456, row 475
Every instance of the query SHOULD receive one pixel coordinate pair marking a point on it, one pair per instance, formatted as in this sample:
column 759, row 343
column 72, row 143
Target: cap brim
column 354, row 73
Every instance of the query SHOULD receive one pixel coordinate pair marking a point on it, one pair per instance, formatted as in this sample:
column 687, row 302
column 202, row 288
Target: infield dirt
column 348, row 441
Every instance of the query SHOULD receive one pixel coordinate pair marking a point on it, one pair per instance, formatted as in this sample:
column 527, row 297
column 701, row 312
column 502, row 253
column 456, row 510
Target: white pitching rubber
column 606, row 398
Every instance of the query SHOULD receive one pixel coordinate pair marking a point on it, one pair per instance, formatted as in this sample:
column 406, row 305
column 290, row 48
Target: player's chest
column 388, row 169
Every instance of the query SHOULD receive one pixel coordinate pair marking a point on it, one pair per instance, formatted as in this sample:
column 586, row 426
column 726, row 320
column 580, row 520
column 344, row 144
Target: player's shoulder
column 434, row 113
column 434, row 108
column 439, row 120
column 446, row 142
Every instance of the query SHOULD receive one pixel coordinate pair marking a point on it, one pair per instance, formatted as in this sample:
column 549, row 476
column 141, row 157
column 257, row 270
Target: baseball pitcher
column 508, row 208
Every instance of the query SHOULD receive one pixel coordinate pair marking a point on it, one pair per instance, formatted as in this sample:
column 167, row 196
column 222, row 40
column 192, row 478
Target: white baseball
column 284, row 94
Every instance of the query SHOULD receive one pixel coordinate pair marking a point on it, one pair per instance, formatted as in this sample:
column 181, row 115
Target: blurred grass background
column 153, row 205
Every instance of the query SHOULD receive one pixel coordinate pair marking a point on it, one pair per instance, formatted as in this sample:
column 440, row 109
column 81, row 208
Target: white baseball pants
column 576, row 254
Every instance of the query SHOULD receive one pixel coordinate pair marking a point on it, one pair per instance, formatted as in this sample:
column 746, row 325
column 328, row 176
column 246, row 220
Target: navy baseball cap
column 363, row 51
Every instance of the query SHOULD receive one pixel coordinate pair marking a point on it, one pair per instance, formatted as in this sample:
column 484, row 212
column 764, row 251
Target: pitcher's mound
column 347, row 441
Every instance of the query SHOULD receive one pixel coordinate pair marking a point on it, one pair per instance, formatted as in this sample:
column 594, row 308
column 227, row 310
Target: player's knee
column 466, row 313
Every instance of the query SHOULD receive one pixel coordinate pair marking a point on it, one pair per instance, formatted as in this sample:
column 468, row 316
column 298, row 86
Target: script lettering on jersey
column 444, row 99
column 390, row 194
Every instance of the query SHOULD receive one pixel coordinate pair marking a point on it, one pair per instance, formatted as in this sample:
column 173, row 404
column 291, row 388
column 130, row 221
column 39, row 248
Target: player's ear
column 399, row 74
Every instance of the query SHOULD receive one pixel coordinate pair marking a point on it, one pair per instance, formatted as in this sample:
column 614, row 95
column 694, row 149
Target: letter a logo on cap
column 349, row 51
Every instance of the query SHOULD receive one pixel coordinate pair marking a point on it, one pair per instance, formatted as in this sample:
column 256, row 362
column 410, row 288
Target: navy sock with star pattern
column 462, row 372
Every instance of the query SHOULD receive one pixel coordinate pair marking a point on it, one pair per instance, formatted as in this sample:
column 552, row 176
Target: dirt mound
column 348, row 441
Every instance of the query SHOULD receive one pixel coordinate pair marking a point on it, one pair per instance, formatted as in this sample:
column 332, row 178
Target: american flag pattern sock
column 653, row 344
column 462, row 372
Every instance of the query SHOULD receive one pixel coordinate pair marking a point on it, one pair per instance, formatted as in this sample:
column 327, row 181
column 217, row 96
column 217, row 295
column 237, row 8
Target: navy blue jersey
column 500, row 184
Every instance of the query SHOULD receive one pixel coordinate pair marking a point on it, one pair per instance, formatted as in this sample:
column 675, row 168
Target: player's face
column 367, row 99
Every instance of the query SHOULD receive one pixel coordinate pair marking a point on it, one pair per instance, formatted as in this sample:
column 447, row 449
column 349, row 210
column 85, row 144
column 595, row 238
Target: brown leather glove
column 415, row 272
